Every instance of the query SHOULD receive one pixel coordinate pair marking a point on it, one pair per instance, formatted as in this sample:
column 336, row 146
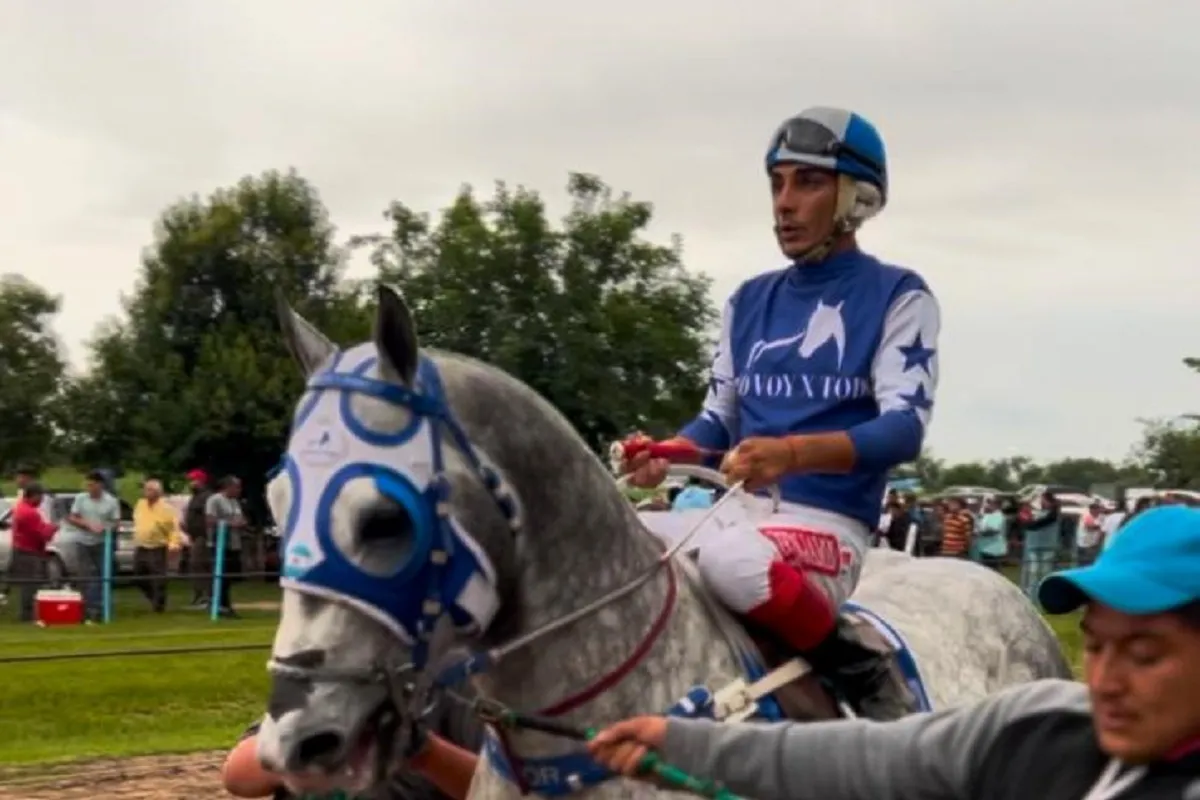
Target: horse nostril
column 320, row 746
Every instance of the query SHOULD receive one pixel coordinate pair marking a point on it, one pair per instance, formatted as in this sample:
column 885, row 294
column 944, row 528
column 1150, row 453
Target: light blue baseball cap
column 1152, row 566
column 692, row 497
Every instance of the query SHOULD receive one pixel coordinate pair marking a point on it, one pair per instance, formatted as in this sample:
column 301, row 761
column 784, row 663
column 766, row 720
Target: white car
column 57, row 566
column 1066, row 495
column 970, row 491
column 1186, row 495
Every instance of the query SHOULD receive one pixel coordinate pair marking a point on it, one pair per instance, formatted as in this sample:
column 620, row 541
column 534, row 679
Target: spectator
column 81, row 542
column 991, row 544
column 155, row 531
column 1088, row 533
column 930, row 529
column 223, row 508
column 693, row 496
column 885, row 520
column 1109, row 526
column 957, row 527
column 31, row 532
column 1042, row 539
column 195, row 524
column 899, row 521
column 1142, row 505
column 28, row 476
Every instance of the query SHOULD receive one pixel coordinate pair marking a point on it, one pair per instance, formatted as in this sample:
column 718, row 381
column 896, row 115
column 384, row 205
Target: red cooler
column 59, row 607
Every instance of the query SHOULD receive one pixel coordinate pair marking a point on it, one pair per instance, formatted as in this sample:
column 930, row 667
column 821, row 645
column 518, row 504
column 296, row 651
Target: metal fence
column 25, row 591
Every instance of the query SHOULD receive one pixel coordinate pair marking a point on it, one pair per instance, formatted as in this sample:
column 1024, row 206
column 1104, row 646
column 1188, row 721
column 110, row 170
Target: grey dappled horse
column 420, row 487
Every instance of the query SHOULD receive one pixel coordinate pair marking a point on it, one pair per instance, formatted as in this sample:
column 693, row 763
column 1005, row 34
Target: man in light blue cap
column 1141, row 632
column 1153, row 568
column 1130, row 730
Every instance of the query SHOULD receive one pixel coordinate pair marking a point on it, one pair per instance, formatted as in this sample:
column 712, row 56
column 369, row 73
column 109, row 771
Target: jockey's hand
column 759, row 461
column 622, row 747
column 644, row 472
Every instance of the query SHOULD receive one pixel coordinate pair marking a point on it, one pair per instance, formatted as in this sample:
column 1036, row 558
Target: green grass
column 145, row 704
column 134, row 704
column 1066, row 627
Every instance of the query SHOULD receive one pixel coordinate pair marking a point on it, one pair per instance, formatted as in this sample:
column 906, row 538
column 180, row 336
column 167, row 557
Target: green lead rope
column 651, row 763
column 676, row 778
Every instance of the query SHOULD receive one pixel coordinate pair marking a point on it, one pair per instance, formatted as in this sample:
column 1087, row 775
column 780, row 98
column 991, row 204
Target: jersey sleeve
column 905, row 377
column 932, row 756
column 716, row 425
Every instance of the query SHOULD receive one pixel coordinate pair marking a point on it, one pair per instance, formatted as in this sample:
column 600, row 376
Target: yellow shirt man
column 155, row 524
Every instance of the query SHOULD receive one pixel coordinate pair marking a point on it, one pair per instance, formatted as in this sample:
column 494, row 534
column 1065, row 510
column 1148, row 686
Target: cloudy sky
column 1045, row 174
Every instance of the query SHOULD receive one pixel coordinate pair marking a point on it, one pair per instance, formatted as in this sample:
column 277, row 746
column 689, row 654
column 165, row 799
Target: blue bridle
column 445, row 572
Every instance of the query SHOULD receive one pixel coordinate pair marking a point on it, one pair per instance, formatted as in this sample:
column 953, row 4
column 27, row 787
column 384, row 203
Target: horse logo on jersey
column 824, row 325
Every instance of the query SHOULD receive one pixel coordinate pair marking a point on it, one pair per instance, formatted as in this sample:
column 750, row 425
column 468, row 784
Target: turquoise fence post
column 214, row 609
column 106, row 573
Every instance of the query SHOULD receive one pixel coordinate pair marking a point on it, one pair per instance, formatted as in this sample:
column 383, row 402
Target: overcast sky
column 1045, row 171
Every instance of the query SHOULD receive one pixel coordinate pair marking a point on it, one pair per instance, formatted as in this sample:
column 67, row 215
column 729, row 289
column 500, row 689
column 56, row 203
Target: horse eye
column 388, row 521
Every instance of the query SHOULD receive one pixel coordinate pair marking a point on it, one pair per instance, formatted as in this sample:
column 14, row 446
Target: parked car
column 1184, row 496
column 969, row 491
column 1029, row 494
column 59, row 509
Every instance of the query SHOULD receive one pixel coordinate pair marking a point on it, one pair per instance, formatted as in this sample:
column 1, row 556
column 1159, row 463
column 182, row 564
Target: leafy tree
column 1170, row 453
column 1009, row 474
column 927, row 469
column 609, row 327
column 1081, row 472
column 32, row 364
column 970, row 473
column 196, row 372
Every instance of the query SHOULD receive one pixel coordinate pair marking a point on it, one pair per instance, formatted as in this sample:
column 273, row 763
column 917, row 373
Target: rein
column 493, row 713
column 501, row 717
column 482, row 661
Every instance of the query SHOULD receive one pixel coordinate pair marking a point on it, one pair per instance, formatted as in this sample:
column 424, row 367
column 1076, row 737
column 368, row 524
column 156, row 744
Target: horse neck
column 581, row 542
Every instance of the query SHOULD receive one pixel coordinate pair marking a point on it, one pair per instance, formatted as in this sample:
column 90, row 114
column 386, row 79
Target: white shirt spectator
column 1087, row 535
column 1112, row 521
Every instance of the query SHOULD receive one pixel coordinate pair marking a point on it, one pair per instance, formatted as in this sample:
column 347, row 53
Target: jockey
column 822, row 381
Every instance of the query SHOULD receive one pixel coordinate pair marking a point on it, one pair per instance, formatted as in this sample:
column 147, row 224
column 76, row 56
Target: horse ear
column 396, row 335
column 308, row 346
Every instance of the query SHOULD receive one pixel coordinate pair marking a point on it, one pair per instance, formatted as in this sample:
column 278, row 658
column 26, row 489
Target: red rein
column 674, row 451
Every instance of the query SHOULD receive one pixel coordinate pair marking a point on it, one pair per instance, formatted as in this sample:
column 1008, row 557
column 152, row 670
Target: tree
column 197, row 374
column 1170, row 453
column 32, row 364
column 927, row 469
column 1081, row 472
column 609, row 327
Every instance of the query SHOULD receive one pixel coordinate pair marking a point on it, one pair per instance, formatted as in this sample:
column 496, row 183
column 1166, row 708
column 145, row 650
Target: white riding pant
column 743, row 551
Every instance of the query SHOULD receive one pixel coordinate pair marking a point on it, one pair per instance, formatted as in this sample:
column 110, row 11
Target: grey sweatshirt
column 926, row 756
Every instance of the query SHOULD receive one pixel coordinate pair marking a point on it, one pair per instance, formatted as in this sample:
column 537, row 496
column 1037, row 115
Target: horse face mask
column 364, row 507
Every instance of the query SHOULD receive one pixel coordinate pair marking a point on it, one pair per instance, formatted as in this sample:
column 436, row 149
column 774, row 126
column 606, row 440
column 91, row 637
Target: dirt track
column 176, row 777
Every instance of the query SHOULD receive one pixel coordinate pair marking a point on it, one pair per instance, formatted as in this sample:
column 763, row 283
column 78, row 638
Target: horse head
column 401, row 534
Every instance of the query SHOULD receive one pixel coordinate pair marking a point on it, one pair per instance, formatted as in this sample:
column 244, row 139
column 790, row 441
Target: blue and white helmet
column 841, row 141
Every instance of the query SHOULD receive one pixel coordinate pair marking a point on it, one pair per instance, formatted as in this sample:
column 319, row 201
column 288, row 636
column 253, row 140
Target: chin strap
column 857, row 202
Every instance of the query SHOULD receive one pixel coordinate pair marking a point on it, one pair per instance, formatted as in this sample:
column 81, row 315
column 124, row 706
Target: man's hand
column 644, row 472
column 622, row 747
column 760, row 462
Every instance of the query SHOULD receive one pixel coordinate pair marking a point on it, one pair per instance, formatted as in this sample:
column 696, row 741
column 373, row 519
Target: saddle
column 805, row 695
